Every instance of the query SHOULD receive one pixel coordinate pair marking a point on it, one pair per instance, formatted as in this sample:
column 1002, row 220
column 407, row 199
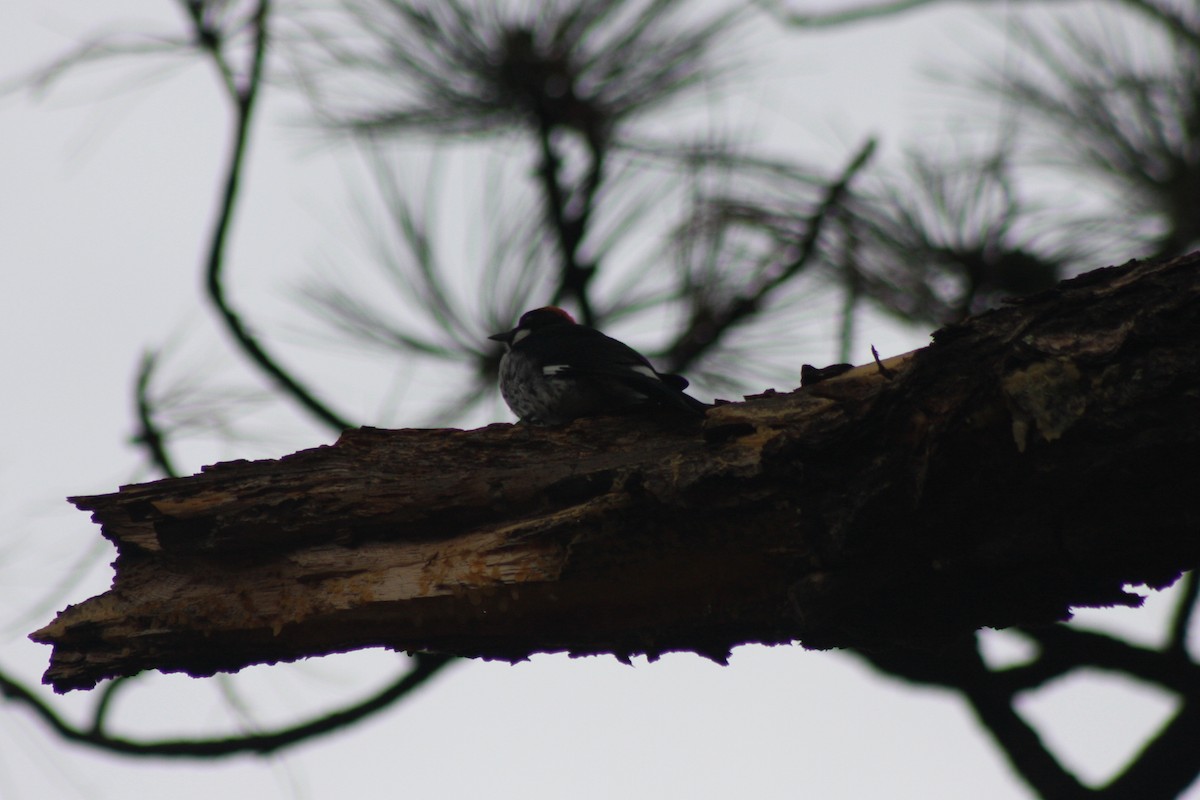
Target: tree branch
column 959, row 666
column 830, row 19
column 1032, row 459
column 244, row 98
column 703, row 335
column 1166, row 766
column 1066, row 648
column 424, row 666
column 1182, row 623
column 569, row 228
column 149, row 435
column 1020, row 742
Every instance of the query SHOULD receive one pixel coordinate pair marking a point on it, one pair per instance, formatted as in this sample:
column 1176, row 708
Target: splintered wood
column 1033, row 458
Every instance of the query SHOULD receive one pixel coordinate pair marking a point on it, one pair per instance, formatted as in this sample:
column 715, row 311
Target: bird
column 555, row 370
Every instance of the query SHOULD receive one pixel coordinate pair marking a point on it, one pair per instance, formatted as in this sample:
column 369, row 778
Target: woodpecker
column 555, row 370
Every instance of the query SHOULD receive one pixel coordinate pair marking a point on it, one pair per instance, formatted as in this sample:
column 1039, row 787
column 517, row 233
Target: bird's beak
column 505, row 337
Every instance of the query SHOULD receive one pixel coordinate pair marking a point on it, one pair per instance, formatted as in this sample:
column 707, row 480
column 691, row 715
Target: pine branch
column 703, row 335
column 424, row 666
column 244, row 98
column 1026, row 447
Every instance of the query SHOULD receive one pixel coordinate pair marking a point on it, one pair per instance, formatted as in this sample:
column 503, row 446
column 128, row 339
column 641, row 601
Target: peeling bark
column 1033, row 458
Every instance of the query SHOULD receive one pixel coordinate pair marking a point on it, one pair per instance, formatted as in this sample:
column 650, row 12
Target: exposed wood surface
column 1033, row 458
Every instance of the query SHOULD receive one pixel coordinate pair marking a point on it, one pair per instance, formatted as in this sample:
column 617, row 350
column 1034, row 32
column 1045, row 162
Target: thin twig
column 569, row 230
column 699, row 339
column 149, row 435
column 104, row 704
column 884, row 371
column 244, row 98
column 960, row 667
column 208, row 39
column 1189, row 590
column 854, row 292
column 1026, row 752
column 830, row 19
column 1065, row 648
column 424, row 666
column 1167, row 764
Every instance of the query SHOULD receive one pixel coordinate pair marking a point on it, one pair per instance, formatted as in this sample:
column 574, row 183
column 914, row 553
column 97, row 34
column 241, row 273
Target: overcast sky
column 109, row 187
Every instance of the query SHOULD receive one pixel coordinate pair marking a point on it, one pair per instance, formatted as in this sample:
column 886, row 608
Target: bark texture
column 1033, row 458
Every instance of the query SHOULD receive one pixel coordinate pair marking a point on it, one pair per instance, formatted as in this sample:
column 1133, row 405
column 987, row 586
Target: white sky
column 107, row 199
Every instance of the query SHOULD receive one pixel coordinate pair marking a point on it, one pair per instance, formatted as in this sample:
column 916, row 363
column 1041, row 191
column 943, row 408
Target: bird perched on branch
column 555, row 370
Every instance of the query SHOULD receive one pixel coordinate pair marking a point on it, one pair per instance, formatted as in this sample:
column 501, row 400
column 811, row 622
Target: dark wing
column 579, row 351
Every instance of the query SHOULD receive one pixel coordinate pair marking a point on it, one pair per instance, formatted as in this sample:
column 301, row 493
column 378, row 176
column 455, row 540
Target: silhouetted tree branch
column 860, row 12
column 886, row 509
column 212, row 27
column 243, row 95
column 1182, row 621
column 706, row 329
column 569, row 76
column 1166, row 766
column 422, row 668
column 149, row 435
